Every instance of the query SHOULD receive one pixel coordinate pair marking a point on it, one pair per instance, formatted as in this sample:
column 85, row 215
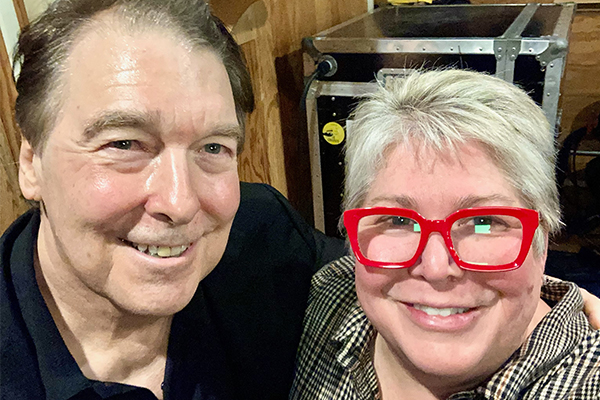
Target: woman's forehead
column 444, row 176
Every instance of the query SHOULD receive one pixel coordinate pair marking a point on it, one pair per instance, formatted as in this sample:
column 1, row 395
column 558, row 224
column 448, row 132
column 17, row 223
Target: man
column 132, row 114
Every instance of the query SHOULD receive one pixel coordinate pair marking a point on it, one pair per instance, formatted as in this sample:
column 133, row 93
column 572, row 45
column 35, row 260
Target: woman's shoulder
column 331, row 301
column 334, row 283
column 338, row 271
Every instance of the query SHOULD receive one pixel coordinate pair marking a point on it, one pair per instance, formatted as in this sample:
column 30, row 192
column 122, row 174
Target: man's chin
column 155, row 305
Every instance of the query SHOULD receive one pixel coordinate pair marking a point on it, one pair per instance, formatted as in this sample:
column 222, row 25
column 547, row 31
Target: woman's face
column 490, row 314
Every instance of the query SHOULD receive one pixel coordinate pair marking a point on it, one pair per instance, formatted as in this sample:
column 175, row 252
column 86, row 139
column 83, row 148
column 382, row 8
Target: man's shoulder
column 21, row 379
column 16, row 245
column 10, row 235
column 266, row 216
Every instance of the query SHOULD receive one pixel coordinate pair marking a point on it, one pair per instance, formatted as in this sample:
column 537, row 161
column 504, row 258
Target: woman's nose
column 435, row 263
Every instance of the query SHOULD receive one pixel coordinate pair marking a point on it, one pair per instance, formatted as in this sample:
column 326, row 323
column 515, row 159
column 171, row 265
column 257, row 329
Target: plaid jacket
column 559, row 360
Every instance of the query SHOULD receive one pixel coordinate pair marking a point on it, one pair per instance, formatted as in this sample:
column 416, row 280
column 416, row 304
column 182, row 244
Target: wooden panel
column 277, row 139
column 21, row 12
column 11, row 202
column 508, row 1
column 581, row 83
column 262, row 160
column 230, row 11
column 293, row 20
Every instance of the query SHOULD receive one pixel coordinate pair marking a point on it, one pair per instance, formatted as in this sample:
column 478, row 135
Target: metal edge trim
column 520, row 23
column 400, row 45
column 312, row 122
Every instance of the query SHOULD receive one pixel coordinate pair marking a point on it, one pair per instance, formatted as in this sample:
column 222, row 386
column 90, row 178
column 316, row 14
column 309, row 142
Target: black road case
column 524, row 44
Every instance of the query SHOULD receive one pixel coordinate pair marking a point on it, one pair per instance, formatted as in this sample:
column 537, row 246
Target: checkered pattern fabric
column 559, row 360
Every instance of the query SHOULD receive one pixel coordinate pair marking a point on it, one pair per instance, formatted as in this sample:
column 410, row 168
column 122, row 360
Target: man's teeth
column 161, row 251
column 444, row 312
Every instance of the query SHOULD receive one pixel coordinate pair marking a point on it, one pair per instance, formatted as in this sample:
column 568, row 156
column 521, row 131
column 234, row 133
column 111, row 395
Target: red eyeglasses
column 479, row 239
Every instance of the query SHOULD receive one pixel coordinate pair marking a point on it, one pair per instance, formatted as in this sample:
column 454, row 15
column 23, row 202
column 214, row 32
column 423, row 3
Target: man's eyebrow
column 474, row 201
column 149, row 123
column 121, row 119
column 233, row 131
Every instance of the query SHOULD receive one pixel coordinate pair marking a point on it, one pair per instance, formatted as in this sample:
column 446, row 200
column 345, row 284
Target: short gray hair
column 443, row 108
column 46, row 43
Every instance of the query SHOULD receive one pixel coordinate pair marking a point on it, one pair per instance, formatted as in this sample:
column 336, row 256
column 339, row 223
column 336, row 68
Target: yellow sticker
column 333, row 133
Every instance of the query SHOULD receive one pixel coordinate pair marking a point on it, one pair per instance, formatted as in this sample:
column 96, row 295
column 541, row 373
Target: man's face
column 443, row 325
column 138, row 178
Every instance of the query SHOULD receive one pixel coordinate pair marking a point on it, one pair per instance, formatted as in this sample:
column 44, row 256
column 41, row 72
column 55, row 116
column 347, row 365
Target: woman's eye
column 213, row 148
column 483, row 221
column 400, row 221
column 121, row 144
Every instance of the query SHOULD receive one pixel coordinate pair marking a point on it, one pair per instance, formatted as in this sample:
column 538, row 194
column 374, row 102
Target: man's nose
column 435, row 263
column 172, row 189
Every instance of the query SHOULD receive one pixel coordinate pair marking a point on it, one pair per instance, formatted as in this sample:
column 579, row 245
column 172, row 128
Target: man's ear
column 28, row 173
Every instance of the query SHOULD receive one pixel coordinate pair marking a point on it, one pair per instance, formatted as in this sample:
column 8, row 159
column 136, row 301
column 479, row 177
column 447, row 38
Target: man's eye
column 213, row 148
column 121, row 144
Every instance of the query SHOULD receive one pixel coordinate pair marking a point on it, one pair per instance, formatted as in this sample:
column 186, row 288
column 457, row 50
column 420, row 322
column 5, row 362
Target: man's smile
column 160, row 251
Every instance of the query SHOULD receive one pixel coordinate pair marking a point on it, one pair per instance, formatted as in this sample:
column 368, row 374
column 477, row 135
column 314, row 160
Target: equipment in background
column 524, row 44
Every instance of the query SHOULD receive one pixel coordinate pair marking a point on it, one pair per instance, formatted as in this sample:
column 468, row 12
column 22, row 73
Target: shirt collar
column 60, row 374
column 353, row 341
column 548, row 343
column 353, row 336
column 196, row 366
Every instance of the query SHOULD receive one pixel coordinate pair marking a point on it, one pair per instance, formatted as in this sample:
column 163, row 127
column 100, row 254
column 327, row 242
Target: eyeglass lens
column 485, row 240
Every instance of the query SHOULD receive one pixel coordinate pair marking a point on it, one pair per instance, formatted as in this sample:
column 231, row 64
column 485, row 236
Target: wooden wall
column 11, row 202
column 581, row 83
column 270, row 32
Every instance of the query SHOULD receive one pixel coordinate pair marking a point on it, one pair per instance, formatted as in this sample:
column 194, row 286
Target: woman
column 450, row 199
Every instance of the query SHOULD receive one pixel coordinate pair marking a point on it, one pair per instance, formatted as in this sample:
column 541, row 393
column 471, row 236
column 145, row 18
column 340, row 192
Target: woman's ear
column 28, row 173
column 544, row 254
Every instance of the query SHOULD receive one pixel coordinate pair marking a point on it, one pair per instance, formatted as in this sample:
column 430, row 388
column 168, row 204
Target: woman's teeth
column 161, row 251
column 444, row 312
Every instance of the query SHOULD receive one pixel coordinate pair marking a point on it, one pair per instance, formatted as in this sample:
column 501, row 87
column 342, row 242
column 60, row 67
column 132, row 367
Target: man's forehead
column 111, row 30
column 107, row 50
column 117, row 77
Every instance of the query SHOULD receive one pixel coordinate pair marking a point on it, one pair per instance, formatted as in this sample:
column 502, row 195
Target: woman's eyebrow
column 474, row 201
column 400, row 201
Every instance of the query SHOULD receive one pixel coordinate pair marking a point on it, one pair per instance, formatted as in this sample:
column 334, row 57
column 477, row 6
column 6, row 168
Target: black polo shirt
column 236, row 339
column 42, row 366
